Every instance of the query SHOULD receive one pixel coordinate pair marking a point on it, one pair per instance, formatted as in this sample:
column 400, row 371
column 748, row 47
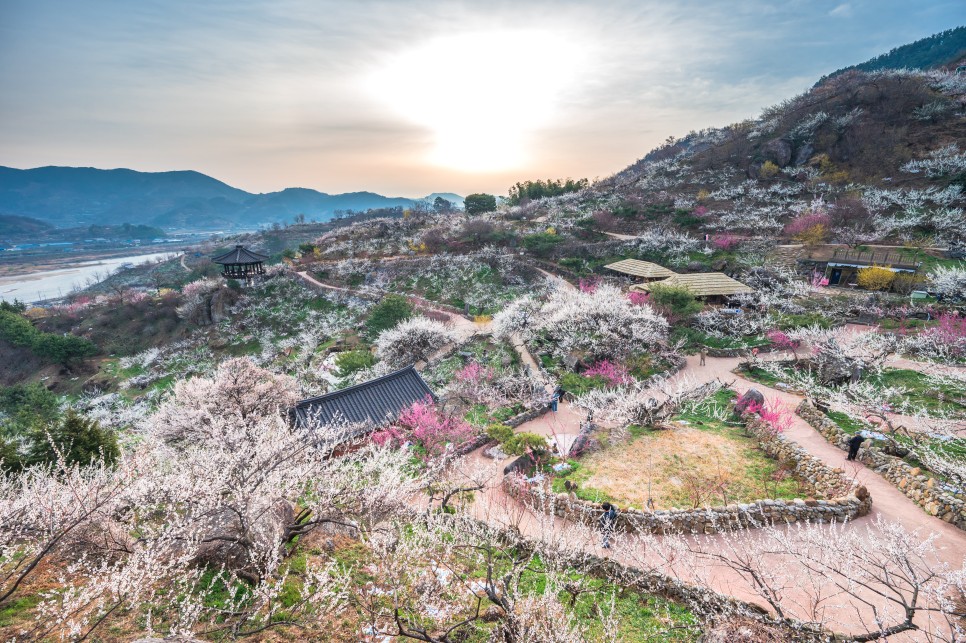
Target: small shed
column 643, row 270
column 367, row 406
column 710, row 287
column 241, row 263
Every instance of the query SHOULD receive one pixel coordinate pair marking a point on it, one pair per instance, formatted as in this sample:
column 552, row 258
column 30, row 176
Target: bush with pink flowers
column 775, row 414
column 614, row 374
column 638, row 298
column 726, row 241
column 428, row 429
column 589, row 285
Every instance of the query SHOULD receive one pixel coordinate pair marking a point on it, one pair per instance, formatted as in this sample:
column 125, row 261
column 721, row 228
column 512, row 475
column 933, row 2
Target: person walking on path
column 607, row 522
column 854, row 443
column 558, row 394
column 704, row 356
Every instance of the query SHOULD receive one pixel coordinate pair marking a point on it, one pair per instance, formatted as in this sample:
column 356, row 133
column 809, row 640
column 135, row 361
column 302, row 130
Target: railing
column 894, row 259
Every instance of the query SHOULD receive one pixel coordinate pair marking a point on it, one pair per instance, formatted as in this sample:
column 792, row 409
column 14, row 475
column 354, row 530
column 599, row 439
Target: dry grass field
column 700, row 460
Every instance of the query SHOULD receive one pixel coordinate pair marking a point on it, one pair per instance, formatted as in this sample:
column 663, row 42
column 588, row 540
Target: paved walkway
column 888, row 502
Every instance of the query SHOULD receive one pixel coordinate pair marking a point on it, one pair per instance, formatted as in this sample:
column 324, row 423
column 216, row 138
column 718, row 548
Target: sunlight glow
column 481, row 94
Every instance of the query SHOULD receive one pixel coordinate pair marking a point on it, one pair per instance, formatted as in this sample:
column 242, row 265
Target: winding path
column 889, row 503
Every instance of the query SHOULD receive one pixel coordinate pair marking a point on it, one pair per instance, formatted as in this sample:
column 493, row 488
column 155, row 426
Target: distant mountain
column 11, row 225
column 941, row 49
column 79, row 197
column 455, row 199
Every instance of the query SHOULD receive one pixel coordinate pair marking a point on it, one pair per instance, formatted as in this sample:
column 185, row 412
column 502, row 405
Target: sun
column 481, row 94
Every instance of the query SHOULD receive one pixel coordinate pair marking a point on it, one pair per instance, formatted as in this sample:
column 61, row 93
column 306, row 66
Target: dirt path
column 464, row 328
column 560, row 281
column 888, row 502
column 622, row 237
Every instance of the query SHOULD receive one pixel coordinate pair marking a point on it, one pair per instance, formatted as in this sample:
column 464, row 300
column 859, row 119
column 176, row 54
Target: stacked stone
column 709, row 520
column 922, row 489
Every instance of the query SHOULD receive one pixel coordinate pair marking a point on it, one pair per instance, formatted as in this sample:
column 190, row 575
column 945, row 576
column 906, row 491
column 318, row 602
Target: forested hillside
column 943, row 48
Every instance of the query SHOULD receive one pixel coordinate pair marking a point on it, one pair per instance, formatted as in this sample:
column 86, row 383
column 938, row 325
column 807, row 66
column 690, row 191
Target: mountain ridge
column 79, row 196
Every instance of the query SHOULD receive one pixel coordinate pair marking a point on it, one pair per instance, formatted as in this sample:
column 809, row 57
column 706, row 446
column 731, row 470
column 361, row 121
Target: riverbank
column 46, row 280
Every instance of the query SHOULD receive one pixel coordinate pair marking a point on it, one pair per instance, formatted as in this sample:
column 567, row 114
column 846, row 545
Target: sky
column 408, row 97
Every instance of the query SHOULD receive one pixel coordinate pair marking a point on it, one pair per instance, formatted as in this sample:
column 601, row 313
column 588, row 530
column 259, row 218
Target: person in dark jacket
column 607, row 522
column 558, row 394
column 854, row 443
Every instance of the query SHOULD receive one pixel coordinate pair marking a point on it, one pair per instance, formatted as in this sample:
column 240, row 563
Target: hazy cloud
column 271, row 93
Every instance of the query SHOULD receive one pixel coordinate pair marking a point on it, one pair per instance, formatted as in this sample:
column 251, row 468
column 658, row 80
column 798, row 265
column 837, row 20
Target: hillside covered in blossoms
column 719, row 395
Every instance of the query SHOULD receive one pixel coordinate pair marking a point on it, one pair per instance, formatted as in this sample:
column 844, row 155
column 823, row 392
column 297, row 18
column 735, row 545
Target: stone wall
column 845, row 502
column 926, row 491
column 740, row 352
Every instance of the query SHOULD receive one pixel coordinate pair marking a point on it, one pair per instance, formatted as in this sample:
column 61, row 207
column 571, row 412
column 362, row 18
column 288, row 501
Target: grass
column 702, row 461
column 923, row 391
column 694, row 339
column 641, row 617
column 18, row 608
column 760, row 375
column 953, row 448
column 846, row 423
column 480, row 415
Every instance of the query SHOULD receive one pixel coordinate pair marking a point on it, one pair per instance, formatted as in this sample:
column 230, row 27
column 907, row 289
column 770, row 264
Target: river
column 52, row 284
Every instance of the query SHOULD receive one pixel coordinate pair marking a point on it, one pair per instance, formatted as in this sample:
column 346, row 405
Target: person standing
column 558, row 394
column 854, row 443
column 704, row 355
column 607, row 522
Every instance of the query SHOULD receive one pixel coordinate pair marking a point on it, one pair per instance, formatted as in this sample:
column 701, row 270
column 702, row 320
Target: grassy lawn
column 760, row 375
column 641, row 617
column 482, row 416
column 702, row 461
column 925, row 392
column 955, row 449
column 695, row 339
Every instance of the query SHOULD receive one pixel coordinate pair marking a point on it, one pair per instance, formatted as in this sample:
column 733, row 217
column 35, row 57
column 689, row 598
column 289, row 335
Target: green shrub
column 577, row 384
column 500, row 432
column 78, row 439
column 523, row 443
column 65, row 349
column 541, row 243
column 25, row 406
column 676, row 301
column 391, row 310
column 352, row 361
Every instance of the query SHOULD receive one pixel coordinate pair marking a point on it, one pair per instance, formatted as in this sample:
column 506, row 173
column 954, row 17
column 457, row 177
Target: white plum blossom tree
column 413, row 340
column 238, row 389
column 949, row 281
column 601, row 324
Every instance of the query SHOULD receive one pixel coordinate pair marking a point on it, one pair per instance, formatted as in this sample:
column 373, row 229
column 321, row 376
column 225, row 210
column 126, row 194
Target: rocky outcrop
column 751, row 397
column 929, row 492
column 778, row 151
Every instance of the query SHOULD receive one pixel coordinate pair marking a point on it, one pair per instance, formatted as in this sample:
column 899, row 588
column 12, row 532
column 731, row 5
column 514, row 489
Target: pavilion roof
column 240, row 255
column 702, row 284
column 642, row 269
column 368, row 405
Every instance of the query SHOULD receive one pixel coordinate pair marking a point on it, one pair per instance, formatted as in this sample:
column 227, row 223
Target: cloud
column 270, row 93
column 843, row 10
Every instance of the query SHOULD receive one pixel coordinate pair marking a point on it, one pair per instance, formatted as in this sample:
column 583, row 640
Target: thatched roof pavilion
column 641, row 269
column 703, row 285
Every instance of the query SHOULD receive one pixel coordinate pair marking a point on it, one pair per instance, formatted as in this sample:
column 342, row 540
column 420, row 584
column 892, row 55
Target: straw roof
column 642, row 269
column 702, row 284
